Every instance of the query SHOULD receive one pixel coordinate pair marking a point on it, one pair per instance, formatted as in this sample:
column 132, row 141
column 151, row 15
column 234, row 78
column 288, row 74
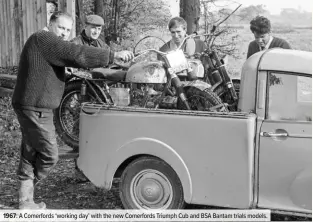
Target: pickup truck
column 257, row 158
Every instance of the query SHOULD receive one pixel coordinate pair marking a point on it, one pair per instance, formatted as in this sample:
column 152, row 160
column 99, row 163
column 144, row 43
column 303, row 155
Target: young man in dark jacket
column 261, row 29
column 39, row 89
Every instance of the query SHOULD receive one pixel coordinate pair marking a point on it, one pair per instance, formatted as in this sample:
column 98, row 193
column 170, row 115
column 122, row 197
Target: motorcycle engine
column 143, row 95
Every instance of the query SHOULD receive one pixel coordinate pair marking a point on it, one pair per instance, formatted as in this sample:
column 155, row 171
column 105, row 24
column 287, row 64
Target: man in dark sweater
column 38, row 90
column 261, row 29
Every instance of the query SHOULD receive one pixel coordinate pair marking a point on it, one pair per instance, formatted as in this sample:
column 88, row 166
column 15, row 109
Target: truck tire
column 66, row 116
column 150, row 183
column 201, row 98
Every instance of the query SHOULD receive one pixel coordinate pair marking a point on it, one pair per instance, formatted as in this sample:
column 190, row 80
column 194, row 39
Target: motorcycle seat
column 108, row 74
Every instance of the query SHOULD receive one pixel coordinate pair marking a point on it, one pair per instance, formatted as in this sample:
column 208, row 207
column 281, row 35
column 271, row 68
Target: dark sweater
column 276, row 43
column 41, row 74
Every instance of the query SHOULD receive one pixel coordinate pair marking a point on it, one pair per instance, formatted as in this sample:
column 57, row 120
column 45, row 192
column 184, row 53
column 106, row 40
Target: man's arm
column 62, row 53
column 77, row 40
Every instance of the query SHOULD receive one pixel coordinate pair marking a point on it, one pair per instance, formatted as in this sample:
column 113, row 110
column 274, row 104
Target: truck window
column 289, row 97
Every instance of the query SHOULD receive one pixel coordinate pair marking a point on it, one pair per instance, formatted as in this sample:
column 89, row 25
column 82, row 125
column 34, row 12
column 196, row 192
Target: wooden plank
column 4, row 92
column 9, row 36
column 2, row 37
column 43, row 14
column 24, row 23
column 35, row 26
column 38, row 20
column 29, row 18
column 7, row 81
column 20, row 24
column 12, row 34
column 17, row 32
column 33, row 17
column 6, row 48
column 32, row 21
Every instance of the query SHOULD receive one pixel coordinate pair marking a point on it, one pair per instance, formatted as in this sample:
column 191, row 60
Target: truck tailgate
column 212, row 153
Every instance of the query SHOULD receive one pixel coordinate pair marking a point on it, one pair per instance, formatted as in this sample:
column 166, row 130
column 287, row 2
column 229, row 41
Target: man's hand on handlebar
column 125, row 56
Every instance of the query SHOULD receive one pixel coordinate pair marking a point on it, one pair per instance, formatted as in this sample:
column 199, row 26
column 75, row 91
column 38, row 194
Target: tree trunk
column 190, row 11
column 99, row 10
column 99, row 7
column 80, row 21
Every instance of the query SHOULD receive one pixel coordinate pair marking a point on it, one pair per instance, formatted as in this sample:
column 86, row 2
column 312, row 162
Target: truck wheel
column 150, row 183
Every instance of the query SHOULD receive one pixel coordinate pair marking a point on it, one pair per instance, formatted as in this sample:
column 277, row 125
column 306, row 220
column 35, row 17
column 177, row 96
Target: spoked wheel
column 201, row 99
column 226, row 97
column 66, row 116
column 148, row 42
column 150, row 183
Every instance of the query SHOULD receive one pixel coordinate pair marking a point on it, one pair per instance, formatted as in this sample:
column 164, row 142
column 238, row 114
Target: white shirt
column 190, row 46
column 268, row 44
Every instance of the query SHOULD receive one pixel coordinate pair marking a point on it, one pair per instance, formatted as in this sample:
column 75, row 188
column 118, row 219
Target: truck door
column 285, row 152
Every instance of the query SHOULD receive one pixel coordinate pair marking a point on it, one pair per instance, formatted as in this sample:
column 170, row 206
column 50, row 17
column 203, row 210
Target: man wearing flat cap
column 90, row 35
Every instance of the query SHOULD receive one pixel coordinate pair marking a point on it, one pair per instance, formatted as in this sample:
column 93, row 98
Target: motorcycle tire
column 226, row 98
column 201, row 98
column 66, row 116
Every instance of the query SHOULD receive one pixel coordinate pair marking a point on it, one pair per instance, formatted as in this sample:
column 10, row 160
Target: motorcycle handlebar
column 163, row 53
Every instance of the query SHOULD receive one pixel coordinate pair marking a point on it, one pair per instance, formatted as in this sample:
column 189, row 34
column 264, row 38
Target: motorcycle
column 217, row 75
column 149, row 84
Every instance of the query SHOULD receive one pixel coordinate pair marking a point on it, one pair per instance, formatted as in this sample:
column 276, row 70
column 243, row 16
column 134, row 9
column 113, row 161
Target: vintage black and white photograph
column 193, row 105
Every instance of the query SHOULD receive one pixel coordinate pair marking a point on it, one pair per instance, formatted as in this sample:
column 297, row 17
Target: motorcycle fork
column 225, row 77
column 179, row 87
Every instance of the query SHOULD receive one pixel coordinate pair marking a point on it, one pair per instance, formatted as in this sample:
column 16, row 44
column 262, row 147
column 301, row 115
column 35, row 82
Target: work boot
column 26, row 196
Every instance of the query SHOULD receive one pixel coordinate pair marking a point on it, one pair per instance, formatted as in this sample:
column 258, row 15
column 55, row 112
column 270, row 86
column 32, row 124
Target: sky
column 273, row 6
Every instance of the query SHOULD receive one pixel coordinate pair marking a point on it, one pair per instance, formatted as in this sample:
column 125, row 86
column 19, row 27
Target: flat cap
column 94, row 20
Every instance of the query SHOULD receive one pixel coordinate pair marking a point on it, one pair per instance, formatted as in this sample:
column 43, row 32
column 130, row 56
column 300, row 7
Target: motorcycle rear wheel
column 201, row 99
column 66, row 116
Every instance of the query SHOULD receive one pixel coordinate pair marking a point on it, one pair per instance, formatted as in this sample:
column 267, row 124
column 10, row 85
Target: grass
column 299, row 39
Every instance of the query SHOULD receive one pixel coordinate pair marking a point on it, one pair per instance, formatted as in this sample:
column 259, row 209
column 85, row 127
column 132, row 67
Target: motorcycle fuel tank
column 146, row 72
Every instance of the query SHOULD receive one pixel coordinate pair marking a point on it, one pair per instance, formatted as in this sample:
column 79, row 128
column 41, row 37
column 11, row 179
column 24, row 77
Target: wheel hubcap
column 150, row 189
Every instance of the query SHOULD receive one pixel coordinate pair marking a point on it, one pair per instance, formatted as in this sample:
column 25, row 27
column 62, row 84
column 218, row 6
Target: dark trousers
column 39, row 152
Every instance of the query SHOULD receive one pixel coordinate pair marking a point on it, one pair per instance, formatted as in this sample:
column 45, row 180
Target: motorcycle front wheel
column 66, row 116
column 201, row 98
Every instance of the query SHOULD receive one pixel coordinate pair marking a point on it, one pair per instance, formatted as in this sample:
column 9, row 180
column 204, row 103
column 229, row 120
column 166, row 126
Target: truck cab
column 258, row 157
column 277, row 87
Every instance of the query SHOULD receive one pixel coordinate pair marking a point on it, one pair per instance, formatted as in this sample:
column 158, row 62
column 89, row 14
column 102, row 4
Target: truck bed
column 212, row 153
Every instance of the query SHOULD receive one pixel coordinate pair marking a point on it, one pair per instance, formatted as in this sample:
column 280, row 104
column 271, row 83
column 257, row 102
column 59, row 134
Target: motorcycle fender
column 198, row 84
column 152, row 147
